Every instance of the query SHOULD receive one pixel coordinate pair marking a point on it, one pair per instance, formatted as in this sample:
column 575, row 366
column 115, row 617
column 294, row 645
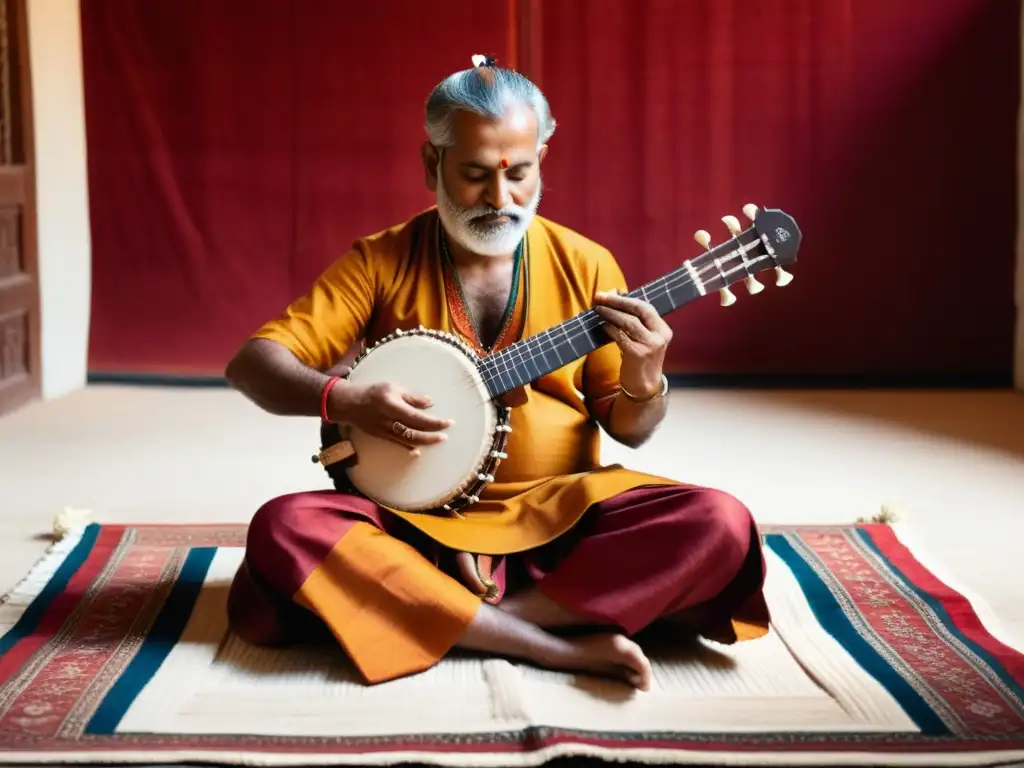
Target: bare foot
column 498, row 632
column 609, row 655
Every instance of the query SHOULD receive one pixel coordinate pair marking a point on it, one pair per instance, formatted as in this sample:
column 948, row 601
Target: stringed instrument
column 449, row 477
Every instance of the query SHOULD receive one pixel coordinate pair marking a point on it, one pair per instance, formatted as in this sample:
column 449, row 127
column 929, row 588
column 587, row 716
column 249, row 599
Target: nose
column 498, row 194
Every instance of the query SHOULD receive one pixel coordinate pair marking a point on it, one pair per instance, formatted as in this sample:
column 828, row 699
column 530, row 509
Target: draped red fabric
column 886, row 128
column 191, row 147
column 232, row 157
column 236, row 149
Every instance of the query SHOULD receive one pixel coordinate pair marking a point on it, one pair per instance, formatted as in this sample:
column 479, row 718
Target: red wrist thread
column 323, row 398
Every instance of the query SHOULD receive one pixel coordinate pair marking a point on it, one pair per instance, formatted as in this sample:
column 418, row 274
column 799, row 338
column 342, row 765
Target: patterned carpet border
column 85, row 631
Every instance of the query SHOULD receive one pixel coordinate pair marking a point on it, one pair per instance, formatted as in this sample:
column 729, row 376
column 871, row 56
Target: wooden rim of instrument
column 477, row 481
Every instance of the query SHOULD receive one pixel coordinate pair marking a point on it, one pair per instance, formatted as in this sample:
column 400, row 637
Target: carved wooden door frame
column 20, row 332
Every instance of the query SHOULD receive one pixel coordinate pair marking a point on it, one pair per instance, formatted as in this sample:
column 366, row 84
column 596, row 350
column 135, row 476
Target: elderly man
column 584, row 556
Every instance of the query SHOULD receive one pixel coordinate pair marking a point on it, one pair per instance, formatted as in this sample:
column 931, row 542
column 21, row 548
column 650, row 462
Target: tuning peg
column 704, row 240
column 750, row 211
column 753, row 285
column 782, row 277
column 732, row 224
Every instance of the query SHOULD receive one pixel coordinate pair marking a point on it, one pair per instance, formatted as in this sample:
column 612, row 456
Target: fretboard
column 530, row 359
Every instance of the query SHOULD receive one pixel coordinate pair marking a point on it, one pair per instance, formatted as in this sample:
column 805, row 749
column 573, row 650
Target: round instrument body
column 447, row 475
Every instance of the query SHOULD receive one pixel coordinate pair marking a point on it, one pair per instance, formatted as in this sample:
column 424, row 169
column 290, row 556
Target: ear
column 430, row 158
column 542, row 153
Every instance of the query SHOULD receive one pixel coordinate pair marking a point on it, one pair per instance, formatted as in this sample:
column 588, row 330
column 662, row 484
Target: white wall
column 62, row 197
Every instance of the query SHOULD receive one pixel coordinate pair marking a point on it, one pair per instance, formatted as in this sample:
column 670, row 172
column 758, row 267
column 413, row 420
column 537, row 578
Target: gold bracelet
column 648, row 398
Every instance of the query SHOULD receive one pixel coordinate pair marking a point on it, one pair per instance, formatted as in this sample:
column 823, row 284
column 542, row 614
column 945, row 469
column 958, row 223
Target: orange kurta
column 396, row 279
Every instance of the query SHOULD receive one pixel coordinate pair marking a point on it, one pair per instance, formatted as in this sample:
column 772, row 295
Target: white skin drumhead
column 388, row 473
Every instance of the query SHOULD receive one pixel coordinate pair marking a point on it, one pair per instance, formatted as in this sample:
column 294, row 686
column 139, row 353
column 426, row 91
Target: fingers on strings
column 631, row 326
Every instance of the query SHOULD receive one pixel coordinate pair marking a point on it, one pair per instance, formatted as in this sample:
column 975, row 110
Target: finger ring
column 407, row 435
column 397, row 428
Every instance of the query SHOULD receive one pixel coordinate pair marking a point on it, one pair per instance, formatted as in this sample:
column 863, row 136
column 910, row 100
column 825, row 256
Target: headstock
column 772, row 241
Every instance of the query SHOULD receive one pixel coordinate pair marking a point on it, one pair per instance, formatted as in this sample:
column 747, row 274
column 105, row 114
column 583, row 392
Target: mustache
column 513, row 212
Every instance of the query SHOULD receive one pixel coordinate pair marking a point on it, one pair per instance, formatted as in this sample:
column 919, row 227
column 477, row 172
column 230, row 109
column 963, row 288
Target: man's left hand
column 642, row 335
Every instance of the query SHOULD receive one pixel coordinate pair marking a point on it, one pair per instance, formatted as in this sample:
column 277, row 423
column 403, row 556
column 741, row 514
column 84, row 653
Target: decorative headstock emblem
column 766, row 244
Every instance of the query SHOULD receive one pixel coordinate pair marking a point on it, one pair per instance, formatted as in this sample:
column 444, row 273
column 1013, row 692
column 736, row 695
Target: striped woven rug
column 115, row 649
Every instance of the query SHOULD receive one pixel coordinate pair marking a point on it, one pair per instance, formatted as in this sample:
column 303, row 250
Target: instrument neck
column 530, row 359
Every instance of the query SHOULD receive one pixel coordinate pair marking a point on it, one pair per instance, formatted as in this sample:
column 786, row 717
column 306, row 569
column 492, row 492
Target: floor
column 951, row 464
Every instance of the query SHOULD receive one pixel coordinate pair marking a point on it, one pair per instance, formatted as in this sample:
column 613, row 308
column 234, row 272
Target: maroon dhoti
column 688, row 555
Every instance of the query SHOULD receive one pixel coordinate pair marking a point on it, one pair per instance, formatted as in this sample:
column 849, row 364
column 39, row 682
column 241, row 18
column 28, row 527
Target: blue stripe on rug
column 834, row 620
column 943, row 615
column 163, row 636
column 30, row 619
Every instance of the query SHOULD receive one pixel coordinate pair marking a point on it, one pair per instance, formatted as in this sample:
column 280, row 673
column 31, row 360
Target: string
column 582, row 324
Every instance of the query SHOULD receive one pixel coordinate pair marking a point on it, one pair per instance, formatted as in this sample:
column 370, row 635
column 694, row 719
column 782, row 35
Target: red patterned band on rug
column 90, row 635
column 964, row 690
column 959, row 608
column 208, row 535
column 86, row 631
column 64, row 603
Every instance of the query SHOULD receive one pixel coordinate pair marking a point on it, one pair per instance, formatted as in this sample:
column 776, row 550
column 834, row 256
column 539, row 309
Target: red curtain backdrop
column 236, row 149
column 233, row 157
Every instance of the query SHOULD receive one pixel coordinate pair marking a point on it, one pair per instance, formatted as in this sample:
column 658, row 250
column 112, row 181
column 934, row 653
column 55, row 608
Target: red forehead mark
column 503, row 164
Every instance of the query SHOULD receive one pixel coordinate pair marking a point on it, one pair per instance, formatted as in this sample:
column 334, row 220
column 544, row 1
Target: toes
column 645, row 680
column 638, row 665
column 637, row 658
column 623, row 644
column 637, row 679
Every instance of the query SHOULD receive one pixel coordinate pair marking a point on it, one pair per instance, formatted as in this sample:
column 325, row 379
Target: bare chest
column 486, row 294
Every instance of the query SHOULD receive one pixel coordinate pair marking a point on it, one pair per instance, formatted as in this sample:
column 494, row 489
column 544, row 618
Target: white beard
column 485, row 241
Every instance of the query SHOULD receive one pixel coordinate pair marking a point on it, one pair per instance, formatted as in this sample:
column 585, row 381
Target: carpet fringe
column 13, row 604
column 885, row 516
column 70, row 520
column 531, row 759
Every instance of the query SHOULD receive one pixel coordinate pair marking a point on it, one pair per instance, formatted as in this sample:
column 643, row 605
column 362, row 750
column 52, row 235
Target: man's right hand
column 387, row 411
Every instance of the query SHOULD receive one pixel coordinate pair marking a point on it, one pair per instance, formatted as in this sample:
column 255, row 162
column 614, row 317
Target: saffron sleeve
column 320, row 326
column 600, row 379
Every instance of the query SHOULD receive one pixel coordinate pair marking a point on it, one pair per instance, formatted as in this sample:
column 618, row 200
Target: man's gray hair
column 488, row 91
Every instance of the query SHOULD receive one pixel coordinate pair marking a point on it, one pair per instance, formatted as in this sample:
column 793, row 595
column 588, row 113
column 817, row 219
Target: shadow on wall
column 941, row 255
